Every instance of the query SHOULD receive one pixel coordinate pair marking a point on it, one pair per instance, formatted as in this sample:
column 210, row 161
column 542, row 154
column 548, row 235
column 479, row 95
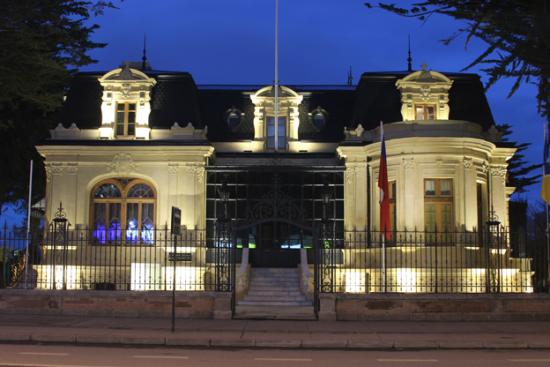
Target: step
column 270, row 300
column 268, row 297
column 275, row 313
column 271, row 303
column 275, row 292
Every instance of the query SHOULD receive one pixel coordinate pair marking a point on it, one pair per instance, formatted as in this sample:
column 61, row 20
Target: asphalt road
column 65, row 356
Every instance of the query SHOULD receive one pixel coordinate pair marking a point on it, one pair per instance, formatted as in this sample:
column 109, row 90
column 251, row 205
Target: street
column 72, row 356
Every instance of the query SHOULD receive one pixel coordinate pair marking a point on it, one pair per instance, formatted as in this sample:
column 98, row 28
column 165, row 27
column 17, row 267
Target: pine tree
column 517, row 33
column 41, row 43
column 521, row 174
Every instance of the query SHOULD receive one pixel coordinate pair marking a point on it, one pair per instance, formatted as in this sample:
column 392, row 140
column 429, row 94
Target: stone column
column 355, row 188
column 497, row 177
column 469, row 195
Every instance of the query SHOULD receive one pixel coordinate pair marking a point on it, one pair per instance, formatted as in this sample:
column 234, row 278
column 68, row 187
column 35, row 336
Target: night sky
column 231, row 42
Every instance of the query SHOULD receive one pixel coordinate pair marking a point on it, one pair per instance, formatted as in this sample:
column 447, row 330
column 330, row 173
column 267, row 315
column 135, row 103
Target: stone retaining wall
column 447, row 307
column 197, row 305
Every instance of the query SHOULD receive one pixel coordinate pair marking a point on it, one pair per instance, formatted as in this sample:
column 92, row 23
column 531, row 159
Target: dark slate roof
column 378, row 99
column 217, row 100
column 174, row 98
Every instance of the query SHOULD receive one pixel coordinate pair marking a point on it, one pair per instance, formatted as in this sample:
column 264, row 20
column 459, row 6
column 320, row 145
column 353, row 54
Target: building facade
column 133, row 143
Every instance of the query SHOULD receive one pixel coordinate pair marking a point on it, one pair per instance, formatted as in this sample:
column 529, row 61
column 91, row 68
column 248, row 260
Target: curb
column 245, row 343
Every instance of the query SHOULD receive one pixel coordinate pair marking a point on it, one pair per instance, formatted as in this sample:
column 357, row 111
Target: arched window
column 123, row 210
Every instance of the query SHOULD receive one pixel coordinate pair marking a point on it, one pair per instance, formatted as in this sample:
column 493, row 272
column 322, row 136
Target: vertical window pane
column 420, row 113
column 131, row 117
column 429, row 187
column 114, row 222
column 429, row 217
column 132, row 222
column 100, row 218
column 446, row 217
column 430, row 112
column 147, row 223
column 445, row 187
column 131, row 107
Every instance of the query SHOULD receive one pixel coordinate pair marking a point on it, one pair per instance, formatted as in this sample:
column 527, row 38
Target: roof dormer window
column 126, row 119
column 125, row 104
column 424, row 95
column 288, row 120
column 424, row 112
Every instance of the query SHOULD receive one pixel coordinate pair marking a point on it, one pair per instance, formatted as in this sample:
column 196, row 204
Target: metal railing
column 121, row 260
column 430, row 262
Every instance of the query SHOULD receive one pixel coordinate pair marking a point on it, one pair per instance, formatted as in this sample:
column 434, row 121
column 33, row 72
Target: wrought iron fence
column 431, row 262
column 353, row 262
column 123, row 259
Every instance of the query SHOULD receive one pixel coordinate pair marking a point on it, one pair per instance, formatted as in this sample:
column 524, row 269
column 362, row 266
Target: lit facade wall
column 418, row 152
column 176, row 172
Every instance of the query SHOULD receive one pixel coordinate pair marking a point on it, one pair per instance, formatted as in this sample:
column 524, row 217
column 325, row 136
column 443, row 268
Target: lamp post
column 223, row 242
column 60, row 228
column 493, row 238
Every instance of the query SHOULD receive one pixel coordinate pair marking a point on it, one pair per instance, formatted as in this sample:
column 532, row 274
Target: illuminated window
column 438, row 205
column 125, row 119
column 123, row 210
column 270, row 133
column 424, row 112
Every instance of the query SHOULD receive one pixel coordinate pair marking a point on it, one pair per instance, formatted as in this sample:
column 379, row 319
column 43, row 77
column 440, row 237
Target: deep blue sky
column 220, row 41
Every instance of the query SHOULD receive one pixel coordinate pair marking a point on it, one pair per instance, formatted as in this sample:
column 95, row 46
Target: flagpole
column 546, row 158
column 276, row 82
column 28, row 225
column 383, row 229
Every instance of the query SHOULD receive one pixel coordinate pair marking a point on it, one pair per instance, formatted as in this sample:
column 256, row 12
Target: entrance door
column 278, row 245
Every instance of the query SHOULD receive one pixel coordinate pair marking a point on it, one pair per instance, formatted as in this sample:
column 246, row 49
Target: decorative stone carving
column 354, row 134
column 122, row 164
column 498, row 171
column 425, row 87
column 408, row 163
column 173, row 168
column 60, row 132
column 468, row 163
column 350, row 174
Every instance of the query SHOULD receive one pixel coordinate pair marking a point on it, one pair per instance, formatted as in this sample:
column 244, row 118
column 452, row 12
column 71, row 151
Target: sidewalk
column 380, row 335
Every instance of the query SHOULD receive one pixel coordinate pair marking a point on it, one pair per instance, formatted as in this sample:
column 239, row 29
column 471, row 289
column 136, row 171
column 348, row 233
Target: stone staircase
column 274, row 293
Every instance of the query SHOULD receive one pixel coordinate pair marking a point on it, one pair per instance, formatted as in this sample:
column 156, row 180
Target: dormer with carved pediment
column 424, row 95
column 125, row 106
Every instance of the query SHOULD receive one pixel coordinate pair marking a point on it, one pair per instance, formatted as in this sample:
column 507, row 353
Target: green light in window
column 251, row 245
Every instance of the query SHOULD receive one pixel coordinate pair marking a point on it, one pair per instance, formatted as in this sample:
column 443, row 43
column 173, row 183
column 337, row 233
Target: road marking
column 160, row 357
column 396, row 360
column 15, row 364
column 43, row 354
column 527, row 360
column 284, row 359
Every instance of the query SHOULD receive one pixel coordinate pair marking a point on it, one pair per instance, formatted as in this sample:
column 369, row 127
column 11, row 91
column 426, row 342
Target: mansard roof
column 176, row 98
column 378, row 99
column 173, row 99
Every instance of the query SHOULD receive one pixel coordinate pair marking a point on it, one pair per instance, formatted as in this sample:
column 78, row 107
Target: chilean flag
column 385, row 223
